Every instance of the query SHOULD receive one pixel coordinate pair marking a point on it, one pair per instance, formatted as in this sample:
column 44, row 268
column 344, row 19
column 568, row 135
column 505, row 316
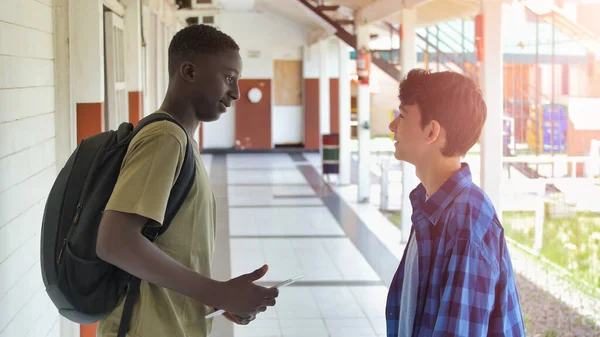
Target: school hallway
column 318, row 90
column 273, row 209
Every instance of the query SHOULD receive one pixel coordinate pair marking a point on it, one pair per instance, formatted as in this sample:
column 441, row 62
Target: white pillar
column 66, row 120
column 492, row 75
column 344, row 106
column 133, row 44
column 324, row 94
column 364, row 118
column 408, row 59
column 87, row 50
column 160, row 61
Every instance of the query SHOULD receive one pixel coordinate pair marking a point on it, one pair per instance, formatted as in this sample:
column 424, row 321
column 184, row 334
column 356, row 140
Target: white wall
column 262, row 32
column 333, row 63
column 287, row 124
column 579, row 81
column 274, row 38
column 312, row 62
column 27, row 163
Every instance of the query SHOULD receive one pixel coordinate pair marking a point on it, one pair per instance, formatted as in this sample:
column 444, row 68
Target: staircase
column 450, row 46
column 458, row 54
column 350, row 39
column 553, row 15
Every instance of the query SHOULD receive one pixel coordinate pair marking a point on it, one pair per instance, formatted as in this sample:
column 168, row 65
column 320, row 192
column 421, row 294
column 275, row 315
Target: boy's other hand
column 244, row 298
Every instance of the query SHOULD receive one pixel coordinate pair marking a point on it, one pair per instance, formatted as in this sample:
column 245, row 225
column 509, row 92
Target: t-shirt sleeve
column 149, row 171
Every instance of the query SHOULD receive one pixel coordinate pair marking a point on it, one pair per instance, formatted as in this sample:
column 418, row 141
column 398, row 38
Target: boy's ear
column 433, row 131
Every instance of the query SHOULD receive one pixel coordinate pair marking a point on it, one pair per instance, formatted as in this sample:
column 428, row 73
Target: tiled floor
column 276, row 217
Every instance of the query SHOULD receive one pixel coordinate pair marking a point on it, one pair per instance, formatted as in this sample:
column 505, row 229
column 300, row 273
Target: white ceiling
column 429, row 13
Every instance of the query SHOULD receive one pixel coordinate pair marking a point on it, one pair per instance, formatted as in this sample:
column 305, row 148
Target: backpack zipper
column 64, row 242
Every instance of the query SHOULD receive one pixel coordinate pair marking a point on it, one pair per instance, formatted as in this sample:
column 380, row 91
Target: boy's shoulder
column 472, row 204
column 472, row 217
column 159, row 129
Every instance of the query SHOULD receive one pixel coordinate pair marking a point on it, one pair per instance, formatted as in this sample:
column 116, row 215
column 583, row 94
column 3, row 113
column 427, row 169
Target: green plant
column 573, row 244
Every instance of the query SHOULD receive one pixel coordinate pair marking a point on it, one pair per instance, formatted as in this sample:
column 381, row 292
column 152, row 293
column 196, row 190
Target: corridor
column 272, row 209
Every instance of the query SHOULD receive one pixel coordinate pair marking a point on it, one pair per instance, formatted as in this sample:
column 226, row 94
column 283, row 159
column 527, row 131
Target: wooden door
column 253, row 120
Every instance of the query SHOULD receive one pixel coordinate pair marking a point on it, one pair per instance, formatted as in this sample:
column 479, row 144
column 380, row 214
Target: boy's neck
column 182, row 112
column 433, row 172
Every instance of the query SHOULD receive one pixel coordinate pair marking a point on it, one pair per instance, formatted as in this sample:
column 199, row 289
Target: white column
column 160, row 64
column 66, row 125
column 133, row 45
column 364, row 118
column 492, row 75
column 151, row 71
column 344, row 106
column 87, row 50
column 408, row 59
column 324, row 94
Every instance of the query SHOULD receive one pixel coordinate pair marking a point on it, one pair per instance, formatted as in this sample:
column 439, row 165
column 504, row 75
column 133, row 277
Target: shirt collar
column 436, row 204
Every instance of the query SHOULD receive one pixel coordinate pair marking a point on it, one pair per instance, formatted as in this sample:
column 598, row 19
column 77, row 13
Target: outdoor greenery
column 573, row 244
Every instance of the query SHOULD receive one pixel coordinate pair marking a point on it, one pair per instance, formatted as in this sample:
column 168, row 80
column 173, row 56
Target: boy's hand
column 244, row 298
column 239, row 319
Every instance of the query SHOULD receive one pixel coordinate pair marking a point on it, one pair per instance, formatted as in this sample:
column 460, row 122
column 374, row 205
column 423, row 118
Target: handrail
column 449, row 37
column 437, row 50
column 446, row 44
column 458, row 32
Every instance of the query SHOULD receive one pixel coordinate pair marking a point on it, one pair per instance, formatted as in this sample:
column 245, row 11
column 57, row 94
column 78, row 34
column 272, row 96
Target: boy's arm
column 468, row 294
column 121, row 243
column 140, row 196
column 476, row 299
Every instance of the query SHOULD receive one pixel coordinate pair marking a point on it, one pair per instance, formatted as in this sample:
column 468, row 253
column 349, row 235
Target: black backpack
column 84, row 288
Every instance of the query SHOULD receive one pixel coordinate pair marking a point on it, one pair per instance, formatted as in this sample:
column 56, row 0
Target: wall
column 312, row 62
column 579, row 81
column 587, row 16
column 272, row 37
column 27, row 163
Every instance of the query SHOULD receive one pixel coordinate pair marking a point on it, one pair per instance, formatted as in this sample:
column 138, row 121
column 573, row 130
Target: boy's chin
column 401, row 157
column 398, row 155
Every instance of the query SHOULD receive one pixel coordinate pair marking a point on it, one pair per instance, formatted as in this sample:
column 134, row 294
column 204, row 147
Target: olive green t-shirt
column 150, row 168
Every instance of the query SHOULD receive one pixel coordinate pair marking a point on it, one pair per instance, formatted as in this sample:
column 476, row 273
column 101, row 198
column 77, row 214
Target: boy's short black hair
column 453, row 100
column 197, row 39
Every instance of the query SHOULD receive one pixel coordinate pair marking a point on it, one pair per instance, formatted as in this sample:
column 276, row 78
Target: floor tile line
column 222, row 256
column 333, row 283
column 365, row 312
column 294, row 196
column 288, row 168
column 324, row 236
column 367, row 243
column 339, row 270
column 268, row 184
column 277, row 206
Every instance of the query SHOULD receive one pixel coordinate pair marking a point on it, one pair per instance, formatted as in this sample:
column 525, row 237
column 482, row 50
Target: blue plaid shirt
column 466, row 281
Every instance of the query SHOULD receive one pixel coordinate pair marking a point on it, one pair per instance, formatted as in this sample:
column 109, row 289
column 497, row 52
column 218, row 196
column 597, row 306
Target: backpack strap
column 179, row 192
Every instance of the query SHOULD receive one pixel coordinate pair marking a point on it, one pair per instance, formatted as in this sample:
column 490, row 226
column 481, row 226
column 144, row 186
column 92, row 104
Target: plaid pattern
column 466, row 280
